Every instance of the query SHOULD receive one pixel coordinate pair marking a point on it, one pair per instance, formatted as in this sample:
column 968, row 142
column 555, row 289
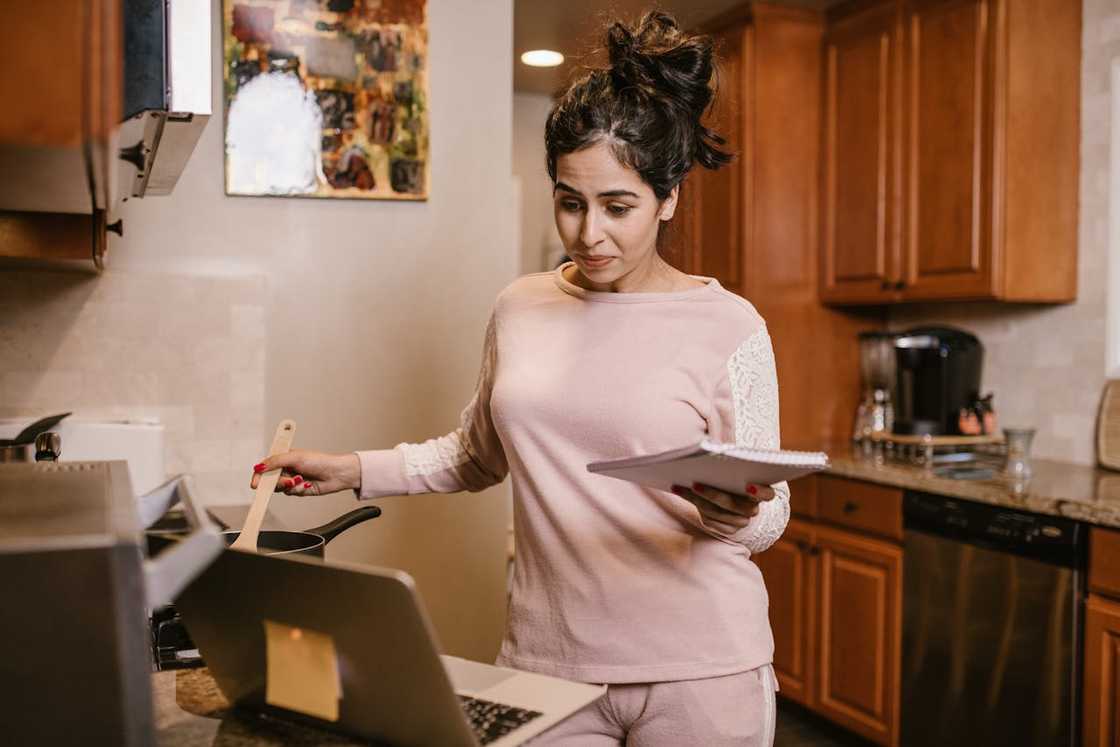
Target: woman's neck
column 654, row 276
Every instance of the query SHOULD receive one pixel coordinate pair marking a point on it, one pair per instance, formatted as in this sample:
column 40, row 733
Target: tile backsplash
column 188, row 350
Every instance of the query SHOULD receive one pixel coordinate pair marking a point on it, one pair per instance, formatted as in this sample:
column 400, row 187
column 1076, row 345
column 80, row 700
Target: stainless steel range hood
column 166, row 92
column 164, row 64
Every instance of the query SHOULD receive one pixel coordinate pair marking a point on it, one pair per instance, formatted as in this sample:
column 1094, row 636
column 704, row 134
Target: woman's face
column 606, row 215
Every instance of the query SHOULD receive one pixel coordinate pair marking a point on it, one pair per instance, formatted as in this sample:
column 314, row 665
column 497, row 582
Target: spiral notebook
column 724, row 466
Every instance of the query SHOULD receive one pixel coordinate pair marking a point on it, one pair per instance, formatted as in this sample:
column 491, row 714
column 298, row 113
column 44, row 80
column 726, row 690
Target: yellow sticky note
column 302, row 670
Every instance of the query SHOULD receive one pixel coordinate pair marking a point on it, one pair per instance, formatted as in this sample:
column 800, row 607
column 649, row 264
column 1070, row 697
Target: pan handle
column 333, row 528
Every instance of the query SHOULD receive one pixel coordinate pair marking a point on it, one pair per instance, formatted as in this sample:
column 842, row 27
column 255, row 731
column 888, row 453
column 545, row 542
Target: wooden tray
column 944, row 440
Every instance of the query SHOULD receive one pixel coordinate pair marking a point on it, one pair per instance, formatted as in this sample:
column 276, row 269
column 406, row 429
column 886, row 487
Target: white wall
column 362, row 320
column 538, row 229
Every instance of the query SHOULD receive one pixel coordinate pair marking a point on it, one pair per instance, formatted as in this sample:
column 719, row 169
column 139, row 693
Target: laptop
column 393, row 686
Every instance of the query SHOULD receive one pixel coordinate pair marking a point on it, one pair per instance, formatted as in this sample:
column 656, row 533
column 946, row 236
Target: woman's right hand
column 306, row 472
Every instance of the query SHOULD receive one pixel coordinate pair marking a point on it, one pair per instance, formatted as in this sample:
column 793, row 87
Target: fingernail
column 288, row 482
column 259, row 467
column 306, row 485
column 696, row 486
column 676, row 490
column 752, row 490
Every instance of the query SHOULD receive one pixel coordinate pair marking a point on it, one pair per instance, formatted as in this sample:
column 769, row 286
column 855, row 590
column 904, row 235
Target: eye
column 618, row 210
column 572, row 206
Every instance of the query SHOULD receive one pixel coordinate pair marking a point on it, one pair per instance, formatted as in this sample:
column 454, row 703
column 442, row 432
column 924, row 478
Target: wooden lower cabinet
column 859, row 595
column 1102, row 672
column 836, row 613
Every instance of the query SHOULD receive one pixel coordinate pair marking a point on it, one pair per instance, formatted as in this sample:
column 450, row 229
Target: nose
column 590, row 233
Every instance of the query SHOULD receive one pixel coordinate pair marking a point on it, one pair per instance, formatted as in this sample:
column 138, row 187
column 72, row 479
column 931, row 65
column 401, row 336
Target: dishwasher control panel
column 1052, row 538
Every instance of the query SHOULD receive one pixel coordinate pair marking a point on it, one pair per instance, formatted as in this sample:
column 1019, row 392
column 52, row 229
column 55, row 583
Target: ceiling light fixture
column 542, row 58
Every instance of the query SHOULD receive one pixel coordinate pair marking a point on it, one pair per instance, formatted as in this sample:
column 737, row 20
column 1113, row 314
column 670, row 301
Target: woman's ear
column 669, row 204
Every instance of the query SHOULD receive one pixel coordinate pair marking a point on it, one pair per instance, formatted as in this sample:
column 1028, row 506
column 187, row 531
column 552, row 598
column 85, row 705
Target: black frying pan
column 310, row 541
column 283, row 542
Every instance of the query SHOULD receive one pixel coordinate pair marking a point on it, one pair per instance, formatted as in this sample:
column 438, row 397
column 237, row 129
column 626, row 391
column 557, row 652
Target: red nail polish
column 288, row 482
column 697, row 486
column 306, row 485
column 752, row 490
column 259, row 467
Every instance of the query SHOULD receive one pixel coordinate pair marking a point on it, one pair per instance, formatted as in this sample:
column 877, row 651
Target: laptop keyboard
column 490, row 720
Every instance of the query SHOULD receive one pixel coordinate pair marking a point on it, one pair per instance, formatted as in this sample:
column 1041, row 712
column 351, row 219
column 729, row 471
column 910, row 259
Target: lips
column 595, row 261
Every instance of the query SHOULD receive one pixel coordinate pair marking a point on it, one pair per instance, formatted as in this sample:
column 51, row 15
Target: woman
column 614, row 354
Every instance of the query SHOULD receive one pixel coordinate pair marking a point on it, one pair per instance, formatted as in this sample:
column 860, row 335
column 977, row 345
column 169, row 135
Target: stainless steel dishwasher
column 991, row 625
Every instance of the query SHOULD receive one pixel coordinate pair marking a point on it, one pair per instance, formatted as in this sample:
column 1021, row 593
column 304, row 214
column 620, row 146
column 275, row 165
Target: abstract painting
column 326, row 98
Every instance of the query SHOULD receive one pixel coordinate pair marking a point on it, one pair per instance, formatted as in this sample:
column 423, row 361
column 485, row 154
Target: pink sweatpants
column 737, row 709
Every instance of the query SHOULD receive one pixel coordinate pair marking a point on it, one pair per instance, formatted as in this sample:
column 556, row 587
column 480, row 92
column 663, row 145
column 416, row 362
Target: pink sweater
column 613, row 582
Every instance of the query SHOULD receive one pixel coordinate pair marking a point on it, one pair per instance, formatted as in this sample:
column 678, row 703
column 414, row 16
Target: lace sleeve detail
column 754, row 392
column 434, row 455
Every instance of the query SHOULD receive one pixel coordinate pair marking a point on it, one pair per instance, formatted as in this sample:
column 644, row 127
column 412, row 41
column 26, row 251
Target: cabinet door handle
column 850, row 507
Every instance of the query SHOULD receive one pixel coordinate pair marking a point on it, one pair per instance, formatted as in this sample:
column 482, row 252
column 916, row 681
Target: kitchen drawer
column 1104, row 561
column 803, row 497
column 863, row 506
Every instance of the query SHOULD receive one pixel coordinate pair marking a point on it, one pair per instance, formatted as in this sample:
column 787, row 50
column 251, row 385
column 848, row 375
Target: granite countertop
column 1056, row 488
column 191, row 711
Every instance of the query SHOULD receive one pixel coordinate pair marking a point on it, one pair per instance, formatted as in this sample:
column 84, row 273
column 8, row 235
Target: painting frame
column 326, row 99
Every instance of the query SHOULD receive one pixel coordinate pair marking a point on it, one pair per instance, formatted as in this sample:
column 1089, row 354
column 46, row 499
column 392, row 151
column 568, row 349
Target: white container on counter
column 139, row 442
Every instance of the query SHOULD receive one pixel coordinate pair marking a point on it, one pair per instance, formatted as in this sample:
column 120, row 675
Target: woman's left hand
column 727, row 512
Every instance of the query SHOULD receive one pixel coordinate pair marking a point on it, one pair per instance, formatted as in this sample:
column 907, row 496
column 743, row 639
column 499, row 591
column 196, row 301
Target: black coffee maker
column 938, row 375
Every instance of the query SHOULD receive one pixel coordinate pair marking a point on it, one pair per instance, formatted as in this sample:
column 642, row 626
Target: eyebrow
column 608, row 193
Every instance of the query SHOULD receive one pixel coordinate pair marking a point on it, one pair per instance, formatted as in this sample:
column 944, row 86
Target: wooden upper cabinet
column 860, row 603
column 857, row 170
column 947, row 151
column 987, row 110
column 62, row 83
column 789, row 571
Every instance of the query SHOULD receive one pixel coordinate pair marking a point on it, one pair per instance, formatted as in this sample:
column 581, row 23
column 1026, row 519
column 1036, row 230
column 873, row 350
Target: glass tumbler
column 1018, row 464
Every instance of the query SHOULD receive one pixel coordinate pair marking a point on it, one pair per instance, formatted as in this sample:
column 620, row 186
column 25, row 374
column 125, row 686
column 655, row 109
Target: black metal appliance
column 991, row 625
column 938, row 370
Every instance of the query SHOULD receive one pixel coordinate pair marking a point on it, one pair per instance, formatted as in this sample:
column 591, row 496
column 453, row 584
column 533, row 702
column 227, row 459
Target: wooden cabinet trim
column 1038, row 100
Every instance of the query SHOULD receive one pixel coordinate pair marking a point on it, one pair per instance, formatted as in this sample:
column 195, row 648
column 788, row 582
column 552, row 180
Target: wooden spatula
column 281, row 442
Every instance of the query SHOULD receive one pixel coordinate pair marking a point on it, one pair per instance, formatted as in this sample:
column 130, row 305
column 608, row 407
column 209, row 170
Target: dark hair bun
column 671, row 67
column 648, row 104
